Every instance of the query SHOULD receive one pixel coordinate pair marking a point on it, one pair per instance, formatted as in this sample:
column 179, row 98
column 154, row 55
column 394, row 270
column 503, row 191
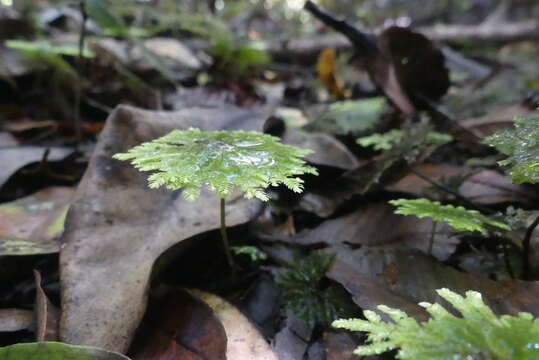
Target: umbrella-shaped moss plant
column 247, row 160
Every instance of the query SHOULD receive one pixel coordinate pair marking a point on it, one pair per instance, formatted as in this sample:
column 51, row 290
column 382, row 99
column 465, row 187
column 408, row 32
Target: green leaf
column 521, row 145
column 388, row 140
column 56, row 351
column 248, row 160
column 345, row 117
column 111, row 24
column 459, row 218
column 477, row 334
column 253, row 252
column 46, row 47
column 44, row 53
column 414, row 145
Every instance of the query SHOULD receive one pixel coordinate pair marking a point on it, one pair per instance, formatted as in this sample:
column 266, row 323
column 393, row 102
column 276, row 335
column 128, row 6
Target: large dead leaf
column 33, row 225
column 327, row 150
column 362, row 230
column 117, row 226
column 483, row 187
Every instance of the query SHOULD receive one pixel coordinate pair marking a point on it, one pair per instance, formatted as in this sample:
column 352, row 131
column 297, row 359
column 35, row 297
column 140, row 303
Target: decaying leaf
column 411, row 277
column 181, row 327
column 360, row 231
column 244, row 340
column 33, row 225
column 405, row 65
column 480, row 187
column 56, row 351
column 326, row 69
column 117, row 226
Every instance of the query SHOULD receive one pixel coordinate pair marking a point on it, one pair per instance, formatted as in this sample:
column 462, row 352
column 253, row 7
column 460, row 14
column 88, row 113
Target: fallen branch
column 499, row 33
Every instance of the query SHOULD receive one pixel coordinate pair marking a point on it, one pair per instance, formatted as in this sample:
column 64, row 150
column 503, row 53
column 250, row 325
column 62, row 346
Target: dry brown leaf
column 15, row 319
column 499, row 118
column 411, row 277
column 484, row 187
column 361, row 230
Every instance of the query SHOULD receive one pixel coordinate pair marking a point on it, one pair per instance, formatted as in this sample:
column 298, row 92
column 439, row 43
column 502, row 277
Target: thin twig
column 451, row 191
column 80, row 70
column 432, row 235
column 507, row 261
column 526, row 250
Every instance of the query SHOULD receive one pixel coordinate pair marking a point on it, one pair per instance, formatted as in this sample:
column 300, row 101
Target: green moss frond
column 521, row 145
column 459, row 218
column 477, row 334
column 248, row 160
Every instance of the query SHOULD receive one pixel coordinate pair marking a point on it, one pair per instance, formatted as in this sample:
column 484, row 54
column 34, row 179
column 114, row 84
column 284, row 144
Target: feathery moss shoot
column 477, row 334
column 459, row 218
column 248, row 160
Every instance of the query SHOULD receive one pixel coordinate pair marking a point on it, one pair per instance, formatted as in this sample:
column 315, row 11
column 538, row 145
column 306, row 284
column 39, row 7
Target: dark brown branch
column 80, row 70
column 362, row 42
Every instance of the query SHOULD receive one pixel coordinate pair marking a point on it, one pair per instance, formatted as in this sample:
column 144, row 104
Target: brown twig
column 80, row 70
column 526, row 250
column 450, row 191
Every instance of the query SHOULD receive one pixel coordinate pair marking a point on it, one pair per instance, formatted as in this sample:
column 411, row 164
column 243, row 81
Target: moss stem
column 224, row 238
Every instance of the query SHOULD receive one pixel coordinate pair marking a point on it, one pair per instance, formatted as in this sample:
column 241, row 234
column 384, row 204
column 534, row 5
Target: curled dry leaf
column 244, row 340
column 406, row 65
column 46, row 314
